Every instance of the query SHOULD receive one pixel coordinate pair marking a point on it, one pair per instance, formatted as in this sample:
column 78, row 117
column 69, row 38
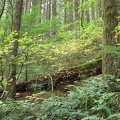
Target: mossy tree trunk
column 110, row 64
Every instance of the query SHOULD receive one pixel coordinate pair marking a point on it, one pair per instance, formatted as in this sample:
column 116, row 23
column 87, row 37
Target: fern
column 114, row 117
column 94, row 117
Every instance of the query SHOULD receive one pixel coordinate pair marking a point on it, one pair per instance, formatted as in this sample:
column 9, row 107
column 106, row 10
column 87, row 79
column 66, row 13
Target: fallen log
column 64, row 77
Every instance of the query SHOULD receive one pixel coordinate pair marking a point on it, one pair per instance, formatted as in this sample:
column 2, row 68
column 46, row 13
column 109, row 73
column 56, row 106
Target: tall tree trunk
column 93, row 11
column 34, row 2
column 77, row 11
column 87, row 14
column 40, row 3
column 110, row 63
column 71, row 18
column 65, row 12
column 3, row 7
column 77, row 16
column 48, row 17
column 25, row 6
column 48, row 11
column 69, row 15
column 28, row 6
column 54, row 13
column 82, row 14
column 10, row 89
column 99, row 9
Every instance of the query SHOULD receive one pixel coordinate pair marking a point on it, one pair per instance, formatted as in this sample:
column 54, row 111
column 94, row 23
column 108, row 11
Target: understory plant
column 93, row 101
column 16, row 110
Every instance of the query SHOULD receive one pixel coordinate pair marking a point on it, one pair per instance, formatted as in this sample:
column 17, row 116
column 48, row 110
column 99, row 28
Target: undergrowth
column 92, row 101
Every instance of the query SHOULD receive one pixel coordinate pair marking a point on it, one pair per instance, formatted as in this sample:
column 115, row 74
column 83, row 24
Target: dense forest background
column 54, row 35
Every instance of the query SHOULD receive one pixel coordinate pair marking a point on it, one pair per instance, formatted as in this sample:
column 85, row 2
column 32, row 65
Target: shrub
column 16, row 110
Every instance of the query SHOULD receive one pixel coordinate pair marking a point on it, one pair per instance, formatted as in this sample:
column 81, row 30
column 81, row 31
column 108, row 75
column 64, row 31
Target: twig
column 52, row 88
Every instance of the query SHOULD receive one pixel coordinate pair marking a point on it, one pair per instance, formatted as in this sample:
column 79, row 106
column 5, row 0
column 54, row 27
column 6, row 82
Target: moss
column 87, row 64
column 90, row 64
column 83, row 77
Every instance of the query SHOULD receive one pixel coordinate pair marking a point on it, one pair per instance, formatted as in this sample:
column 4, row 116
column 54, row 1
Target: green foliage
column 16, row 110
column 30, row 20
column 117, row 29
column 48, row 57
column 93, row 101
column 114, row 117
column 114, row 50
column 6, row 24
column 31, row 23
column 90, row 4
column 82, row 77
column 94, row 117
column 35, row 86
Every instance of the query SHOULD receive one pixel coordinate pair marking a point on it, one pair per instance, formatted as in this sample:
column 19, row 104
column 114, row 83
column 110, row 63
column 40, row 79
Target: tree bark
column 3, row 7
column 48, row 17
column 82, row 14
column 110, row 22
column 10, row 89
column 93, row 11
column 77, row 16
column 40, row 3
column 87, row 15
column 54, row 14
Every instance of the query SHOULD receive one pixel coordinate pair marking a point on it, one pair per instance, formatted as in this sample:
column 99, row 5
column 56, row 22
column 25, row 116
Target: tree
column 110, row 64
column 77, row 16
column 3, row 7
column 54, row 13
column 40, row 3
column 68, row 17
column 10, row 88
column 77, row 11
column 48, row 16
column 93, row 11
column 87, row 15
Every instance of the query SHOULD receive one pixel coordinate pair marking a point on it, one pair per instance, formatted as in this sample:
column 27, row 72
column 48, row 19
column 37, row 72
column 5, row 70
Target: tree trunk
column 10, row 89
column 40, row 3
column 48, row 17
column 65, row 12
column 82, row 14
column 109, row 66
column 3, row 7
column 87, row 15
column 99, row 9
column 77, row 12
column 77, row 16
column 93, row 11
column 68, row 18
column 54, row 15
column 34, row 2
